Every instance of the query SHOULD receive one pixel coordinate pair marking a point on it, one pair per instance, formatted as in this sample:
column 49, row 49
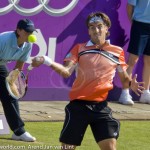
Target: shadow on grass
column 6, row 138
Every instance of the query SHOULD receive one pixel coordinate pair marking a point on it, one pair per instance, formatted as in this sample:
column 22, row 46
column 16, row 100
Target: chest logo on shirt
column 110, row 55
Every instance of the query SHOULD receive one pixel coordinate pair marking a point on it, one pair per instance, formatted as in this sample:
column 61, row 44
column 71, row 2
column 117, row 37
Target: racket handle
column 30, row 67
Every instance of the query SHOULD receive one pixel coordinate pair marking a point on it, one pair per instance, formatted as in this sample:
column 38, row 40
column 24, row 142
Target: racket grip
column 30, row 67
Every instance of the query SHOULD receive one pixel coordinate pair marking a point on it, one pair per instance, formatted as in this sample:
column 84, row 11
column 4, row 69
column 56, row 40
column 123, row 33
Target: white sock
column 146, row 91
column 125, row 91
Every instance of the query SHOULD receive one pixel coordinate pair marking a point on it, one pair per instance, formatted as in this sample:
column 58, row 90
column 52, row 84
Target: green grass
column 134, row 135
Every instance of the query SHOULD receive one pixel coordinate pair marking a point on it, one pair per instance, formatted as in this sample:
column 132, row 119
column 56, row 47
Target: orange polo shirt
column 95, row 72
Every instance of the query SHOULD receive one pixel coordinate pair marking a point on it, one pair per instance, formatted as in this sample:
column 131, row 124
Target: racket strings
column 17, row 85
column 21, row 85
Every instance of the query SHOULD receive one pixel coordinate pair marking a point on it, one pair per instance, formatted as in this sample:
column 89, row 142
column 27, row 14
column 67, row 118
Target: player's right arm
column 64, row 70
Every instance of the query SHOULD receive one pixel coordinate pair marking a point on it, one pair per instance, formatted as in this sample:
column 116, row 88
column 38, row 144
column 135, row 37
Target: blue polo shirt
column 9, row 50
column 141, row 10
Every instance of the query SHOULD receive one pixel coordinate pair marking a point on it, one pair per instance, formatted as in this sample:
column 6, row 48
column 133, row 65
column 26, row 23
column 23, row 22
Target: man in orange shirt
column 96, row 62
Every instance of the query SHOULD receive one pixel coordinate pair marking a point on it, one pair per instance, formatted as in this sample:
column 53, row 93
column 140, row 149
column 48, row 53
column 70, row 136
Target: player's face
column 23, row 35
column 97, row 32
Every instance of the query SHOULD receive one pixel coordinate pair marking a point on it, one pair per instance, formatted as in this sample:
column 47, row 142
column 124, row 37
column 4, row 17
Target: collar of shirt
column 90, row 43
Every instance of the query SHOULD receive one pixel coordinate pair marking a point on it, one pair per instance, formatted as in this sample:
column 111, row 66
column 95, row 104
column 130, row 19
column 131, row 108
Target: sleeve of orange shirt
column 123, row 66
column 73, row 54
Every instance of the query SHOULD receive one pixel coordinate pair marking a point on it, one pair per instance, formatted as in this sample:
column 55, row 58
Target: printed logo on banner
column 43, row 5
column 1, row 125
column 4, row 128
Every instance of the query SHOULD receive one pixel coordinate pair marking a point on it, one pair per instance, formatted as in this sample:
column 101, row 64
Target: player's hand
column 137, row 87
column 37, row 61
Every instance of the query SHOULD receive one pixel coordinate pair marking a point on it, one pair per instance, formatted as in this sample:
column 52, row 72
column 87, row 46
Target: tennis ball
column 32, row 38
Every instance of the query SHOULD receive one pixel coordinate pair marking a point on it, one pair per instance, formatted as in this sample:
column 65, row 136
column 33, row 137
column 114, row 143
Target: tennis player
column 14, row 46
column 97, row 62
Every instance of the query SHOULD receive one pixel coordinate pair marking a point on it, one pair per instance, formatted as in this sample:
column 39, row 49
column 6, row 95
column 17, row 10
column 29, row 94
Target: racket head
column 18, row 88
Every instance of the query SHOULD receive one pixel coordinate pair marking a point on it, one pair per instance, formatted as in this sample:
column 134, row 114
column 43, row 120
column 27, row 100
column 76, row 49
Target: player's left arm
column 128, row 82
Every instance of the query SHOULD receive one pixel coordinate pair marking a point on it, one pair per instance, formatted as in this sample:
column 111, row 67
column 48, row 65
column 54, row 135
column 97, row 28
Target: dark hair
column 17, row 35
column 105, row 18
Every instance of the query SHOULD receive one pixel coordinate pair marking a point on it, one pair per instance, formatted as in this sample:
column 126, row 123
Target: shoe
column 145, row 98
column 27, row 137
column 126, row 99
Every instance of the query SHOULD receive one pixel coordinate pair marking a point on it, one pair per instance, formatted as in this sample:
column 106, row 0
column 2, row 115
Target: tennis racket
column 17, row 83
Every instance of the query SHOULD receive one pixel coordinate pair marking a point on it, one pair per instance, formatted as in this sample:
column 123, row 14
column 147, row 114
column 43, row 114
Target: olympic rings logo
column 43, row 5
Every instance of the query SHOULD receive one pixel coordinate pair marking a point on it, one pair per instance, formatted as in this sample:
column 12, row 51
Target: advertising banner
column 60, row 25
